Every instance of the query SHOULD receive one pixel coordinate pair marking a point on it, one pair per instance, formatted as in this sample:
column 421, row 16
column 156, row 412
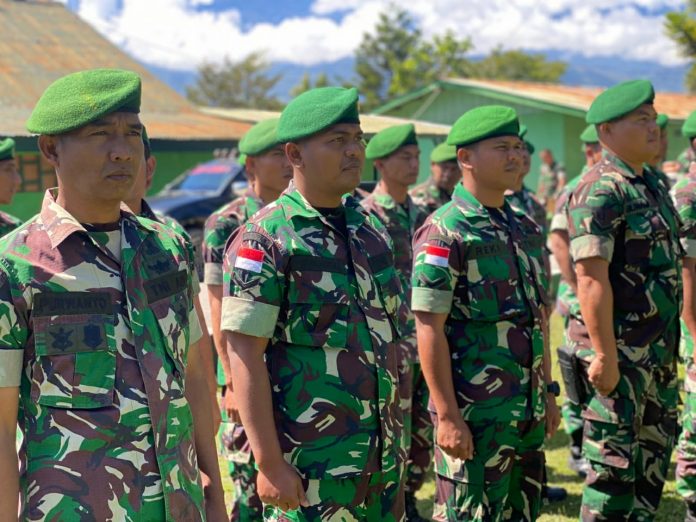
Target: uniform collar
column 60, row 224
column 146, row 211
column 299, row 207
column 472, row 207
column 618, row 163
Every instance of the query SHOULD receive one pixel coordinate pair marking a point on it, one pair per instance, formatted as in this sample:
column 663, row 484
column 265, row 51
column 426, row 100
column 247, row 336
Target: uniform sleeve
column 218, row 230
column 685, row 203
column 14, row 332
column 595, row 214
column 434, row 270
column 253, row 285
column 559, row 221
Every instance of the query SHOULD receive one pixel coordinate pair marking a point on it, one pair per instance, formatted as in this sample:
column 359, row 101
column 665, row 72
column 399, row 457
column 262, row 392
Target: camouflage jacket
column 429, row 196
column 549, row 179
column 401, row 223
column 684, row 159
column 485, row 269
column 8, row 223
column 566, row 301
column 97, row 344
column 684, row 194
column 155, row 215
column 630, row 221
column 218, row 229
column 330, row 307
column 528, row 202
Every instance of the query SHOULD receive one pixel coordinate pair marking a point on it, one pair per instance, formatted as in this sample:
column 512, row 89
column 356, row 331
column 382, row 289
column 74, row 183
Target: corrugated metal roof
column 371, row 123
column 42, row 41
column 676, row 105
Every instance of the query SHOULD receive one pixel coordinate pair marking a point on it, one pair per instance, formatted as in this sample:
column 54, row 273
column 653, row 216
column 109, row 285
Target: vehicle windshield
column 205, row 178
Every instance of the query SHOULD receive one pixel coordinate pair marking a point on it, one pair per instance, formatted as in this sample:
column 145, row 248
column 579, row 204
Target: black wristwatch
column 554, row 388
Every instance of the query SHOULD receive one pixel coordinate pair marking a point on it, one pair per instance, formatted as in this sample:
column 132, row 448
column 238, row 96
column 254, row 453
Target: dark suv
column 197, row 193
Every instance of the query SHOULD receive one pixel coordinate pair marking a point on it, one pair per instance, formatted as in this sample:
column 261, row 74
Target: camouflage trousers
column 420, row 455
column 628, row 440
column 571, row 412
column 502, row 481
column 405, row 367
column 686, row 447
column 377, row 496
column 246, row 506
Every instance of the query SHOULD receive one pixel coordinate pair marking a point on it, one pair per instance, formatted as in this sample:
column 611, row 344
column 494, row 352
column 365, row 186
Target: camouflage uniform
column 549, row 177
column 685, row 159
column 685, row 197
column 8, row 223
column 95, row 332
column 401, row 222
column 233, row 440
column 330, row 306
column 527, row 201
column 429, row 196
column 492, row 286
column 568, row 307
column 629, row 220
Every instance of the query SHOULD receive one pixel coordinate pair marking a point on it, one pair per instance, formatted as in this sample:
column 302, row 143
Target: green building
column 554, row 114
column 42, row 41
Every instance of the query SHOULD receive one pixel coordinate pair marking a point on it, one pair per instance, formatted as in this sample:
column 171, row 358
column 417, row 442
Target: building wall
column 173, row 158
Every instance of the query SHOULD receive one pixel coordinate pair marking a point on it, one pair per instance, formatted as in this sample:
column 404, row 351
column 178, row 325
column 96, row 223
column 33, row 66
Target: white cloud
column 174, row 34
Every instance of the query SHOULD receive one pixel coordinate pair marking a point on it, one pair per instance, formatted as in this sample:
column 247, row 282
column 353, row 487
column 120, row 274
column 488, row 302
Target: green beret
column 530, row 147
column 7, row 147
column 619, row 100
column 689, row 127
column 589, row 135
column 481, row 123
column 260, row 138
column 241, row 159
column 315, row 110
column 662, row 120
column 79, row 98
column 390, row 140
column 443, row 152
column 523, row 131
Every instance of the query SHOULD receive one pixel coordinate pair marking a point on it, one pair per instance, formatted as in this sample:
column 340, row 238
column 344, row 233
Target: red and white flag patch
column 249, row 259
column 438, row 256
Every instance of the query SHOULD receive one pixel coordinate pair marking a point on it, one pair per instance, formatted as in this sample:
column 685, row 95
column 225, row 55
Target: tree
column 680, row 26
column 244, row 84
column 396, row 59
column 306, row 84
column 518, row 65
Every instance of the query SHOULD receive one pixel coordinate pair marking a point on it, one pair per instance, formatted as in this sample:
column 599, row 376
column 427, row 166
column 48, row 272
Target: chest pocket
column 168, row 299
column 75, row 349
column 318, row 302
column 493, row 287
column 649, row 241
column 391, row 291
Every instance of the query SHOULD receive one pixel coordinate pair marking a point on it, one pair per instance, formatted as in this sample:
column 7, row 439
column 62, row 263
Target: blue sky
column 180, row 34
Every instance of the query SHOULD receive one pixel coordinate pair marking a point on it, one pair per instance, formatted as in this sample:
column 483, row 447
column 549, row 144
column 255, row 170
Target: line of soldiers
column 357, row 341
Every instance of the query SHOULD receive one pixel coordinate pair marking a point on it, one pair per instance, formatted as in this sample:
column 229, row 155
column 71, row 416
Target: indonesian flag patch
column 249, row 259
column 438, row 256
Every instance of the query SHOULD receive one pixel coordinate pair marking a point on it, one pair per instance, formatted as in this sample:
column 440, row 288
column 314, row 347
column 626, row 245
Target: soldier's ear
column 48, row 145
column 464, row 157
column 294, row 154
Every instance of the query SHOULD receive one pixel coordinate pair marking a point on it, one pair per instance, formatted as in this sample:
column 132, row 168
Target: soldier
column 97, row 319
column 9, row 184
column 523, row 198
column 567, row 302
column 552, row 179
column 689, row 154
column 437, row 190
column 685, row 197
column 624, row 242
column 314, row 275
column 136, row 202
column 269, row 173
column 478, row 295
column 395, row 154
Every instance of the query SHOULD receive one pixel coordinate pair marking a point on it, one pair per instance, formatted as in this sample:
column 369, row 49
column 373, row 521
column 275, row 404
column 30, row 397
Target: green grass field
column 671, row 507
